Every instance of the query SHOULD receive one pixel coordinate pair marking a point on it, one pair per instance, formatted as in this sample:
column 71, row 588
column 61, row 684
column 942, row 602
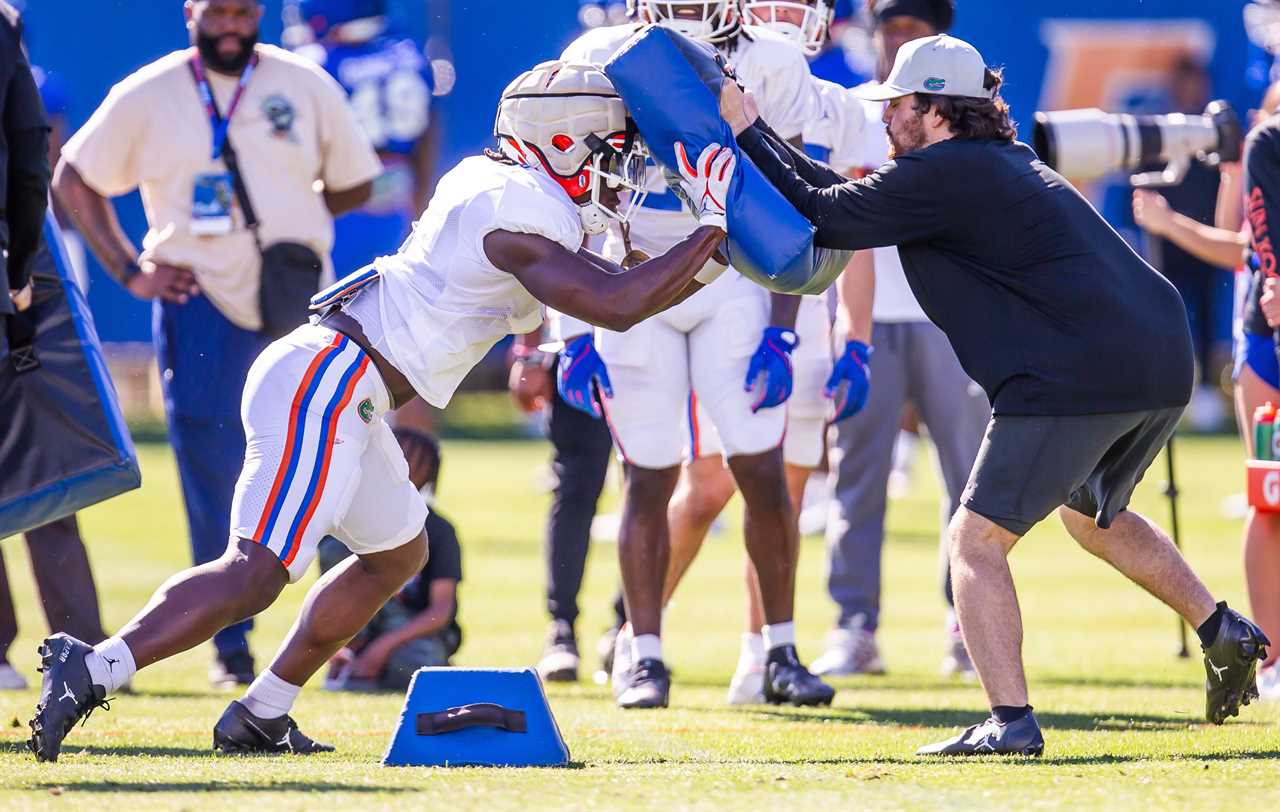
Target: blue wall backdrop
column 90, row 44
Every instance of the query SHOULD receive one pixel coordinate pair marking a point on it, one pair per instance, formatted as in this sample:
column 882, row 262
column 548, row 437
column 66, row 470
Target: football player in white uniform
column 831, row 134
column 706, row 345
column 501, row 235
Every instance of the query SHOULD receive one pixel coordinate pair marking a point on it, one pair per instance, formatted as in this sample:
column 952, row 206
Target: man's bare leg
column 705, row 487
column 987, row 605
column 193, row 605
column 1145, row 555
column 340, row 604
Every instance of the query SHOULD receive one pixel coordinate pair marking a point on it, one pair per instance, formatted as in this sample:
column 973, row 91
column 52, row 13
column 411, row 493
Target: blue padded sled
column 64, row 444
column 457, row 717
column 670, row 85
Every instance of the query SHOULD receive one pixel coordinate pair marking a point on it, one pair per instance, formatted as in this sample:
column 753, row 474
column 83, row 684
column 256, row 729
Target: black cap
column 939, row 14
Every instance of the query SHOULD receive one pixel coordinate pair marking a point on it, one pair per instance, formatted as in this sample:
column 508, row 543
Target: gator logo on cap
column 365, row 410
column 934, row 83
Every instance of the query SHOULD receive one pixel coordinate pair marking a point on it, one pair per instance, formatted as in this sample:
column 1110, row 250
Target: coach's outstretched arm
column 899, row 203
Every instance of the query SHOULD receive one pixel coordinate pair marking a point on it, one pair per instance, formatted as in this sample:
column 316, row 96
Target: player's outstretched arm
column 571, row 284
column 576, row 285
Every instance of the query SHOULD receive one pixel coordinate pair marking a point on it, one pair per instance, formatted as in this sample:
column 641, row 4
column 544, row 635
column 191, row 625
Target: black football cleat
column 1020, row 738
column 67, row 694
column 648, row 686
column 239, row 732
column 788, row 682
column 1231, row 666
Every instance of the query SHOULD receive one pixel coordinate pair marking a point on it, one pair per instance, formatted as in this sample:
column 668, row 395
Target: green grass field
column 1123, row 716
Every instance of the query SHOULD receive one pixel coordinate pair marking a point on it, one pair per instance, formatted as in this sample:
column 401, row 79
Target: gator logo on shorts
column 934, row 83
column 365, row 410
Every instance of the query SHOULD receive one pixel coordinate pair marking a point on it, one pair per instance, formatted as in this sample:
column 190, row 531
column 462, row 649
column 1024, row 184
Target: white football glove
column 707, row 185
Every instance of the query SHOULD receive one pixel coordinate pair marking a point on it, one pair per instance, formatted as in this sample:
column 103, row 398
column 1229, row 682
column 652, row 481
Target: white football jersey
column 894, row 300
column 838, row 125
column 440, row 304
column 773, row 68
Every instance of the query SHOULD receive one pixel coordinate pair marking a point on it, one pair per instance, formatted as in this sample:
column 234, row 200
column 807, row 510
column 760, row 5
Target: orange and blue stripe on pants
column 322, row 395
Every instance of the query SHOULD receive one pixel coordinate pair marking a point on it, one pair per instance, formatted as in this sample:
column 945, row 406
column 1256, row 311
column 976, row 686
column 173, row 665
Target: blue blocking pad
column 459, row 717
column 64, row 444
column 670, row 85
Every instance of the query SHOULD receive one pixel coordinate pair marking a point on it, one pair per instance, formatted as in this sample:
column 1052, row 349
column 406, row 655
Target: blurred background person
column 1256, row 371
column 201, row 267
column 391, row 84
column 418, row 627
column 912, row 361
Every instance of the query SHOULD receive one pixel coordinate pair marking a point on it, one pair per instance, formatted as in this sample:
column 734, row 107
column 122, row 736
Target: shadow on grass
column 220, row 786
column 908, row 760
column 954, row 717
column 20, row 747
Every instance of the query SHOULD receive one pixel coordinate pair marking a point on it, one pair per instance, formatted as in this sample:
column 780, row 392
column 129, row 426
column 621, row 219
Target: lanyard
column 218, row 122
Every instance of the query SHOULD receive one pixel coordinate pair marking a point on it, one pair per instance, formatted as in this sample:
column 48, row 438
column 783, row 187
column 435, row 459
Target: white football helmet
column 804, row 22
column 566, row 119
column 712, row 21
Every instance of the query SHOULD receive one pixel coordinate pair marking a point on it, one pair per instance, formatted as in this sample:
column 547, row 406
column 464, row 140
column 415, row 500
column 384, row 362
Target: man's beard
column 912, row 138
column 214, row 60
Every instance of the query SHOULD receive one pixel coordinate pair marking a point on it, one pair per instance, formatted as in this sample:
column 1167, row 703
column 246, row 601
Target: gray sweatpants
column 912, row 361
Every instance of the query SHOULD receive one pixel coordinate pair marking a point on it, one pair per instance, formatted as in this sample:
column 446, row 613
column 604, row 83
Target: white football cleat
column 747, row 685
column 851, row 649
column 1269, row 683
column 622, row 660
column 10, row 679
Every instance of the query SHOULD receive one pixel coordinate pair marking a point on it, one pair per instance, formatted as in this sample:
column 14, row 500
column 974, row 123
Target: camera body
column 1087, row 144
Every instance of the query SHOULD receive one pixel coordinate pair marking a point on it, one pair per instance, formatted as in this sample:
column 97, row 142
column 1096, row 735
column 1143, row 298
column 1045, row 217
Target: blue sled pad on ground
column 671, row 86
column 459, row 717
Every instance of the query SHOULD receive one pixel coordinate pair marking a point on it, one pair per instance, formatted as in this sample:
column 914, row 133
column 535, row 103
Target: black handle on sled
column 479, row 714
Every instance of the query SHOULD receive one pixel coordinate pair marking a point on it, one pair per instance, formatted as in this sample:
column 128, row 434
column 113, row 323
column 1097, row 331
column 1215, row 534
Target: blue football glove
column 852, row 372
column 769, row 374
column 580, row 366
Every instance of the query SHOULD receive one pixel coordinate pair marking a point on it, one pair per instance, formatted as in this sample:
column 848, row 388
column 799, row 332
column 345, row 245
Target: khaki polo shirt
column 294, row 134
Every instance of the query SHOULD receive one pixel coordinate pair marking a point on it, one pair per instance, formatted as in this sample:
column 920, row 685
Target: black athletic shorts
column 1030, row 464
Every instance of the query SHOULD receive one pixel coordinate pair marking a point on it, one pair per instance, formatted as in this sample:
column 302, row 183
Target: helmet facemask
column 810, row 34
column 712, row 21
column 566, row 119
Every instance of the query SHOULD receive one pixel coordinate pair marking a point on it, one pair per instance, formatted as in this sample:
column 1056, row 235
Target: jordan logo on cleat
column 110, row 663
column 67, row 693
column 1217, row 672
column 286, row 742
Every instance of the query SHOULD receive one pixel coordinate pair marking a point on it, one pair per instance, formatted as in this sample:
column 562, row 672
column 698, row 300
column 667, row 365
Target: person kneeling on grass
column 418, row 628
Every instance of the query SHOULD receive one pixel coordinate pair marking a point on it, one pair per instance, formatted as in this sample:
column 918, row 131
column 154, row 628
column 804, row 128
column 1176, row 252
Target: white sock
column 270, row 697
column 646, row 647
column 778, row 634
column 111, row 664
column 752, row 648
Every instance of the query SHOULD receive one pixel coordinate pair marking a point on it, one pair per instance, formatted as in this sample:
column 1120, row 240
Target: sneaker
column 10, row 679
column 1269, row 683
column 956, row 663
column 747, row 685
column 851, row 649
column 559, row 661
column 604, row 649
column 787, row 681
column 621, row 667
column 1020, row 738
column 647, row 686
column 67, row 694
column 231, row 670
column 1231, row 665
column 239, row 732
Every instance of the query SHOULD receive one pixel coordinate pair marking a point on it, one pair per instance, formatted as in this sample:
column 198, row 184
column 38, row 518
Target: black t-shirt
column 1262, row 209
column 24, row 156
column 1047, row 308
column 444, row 560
